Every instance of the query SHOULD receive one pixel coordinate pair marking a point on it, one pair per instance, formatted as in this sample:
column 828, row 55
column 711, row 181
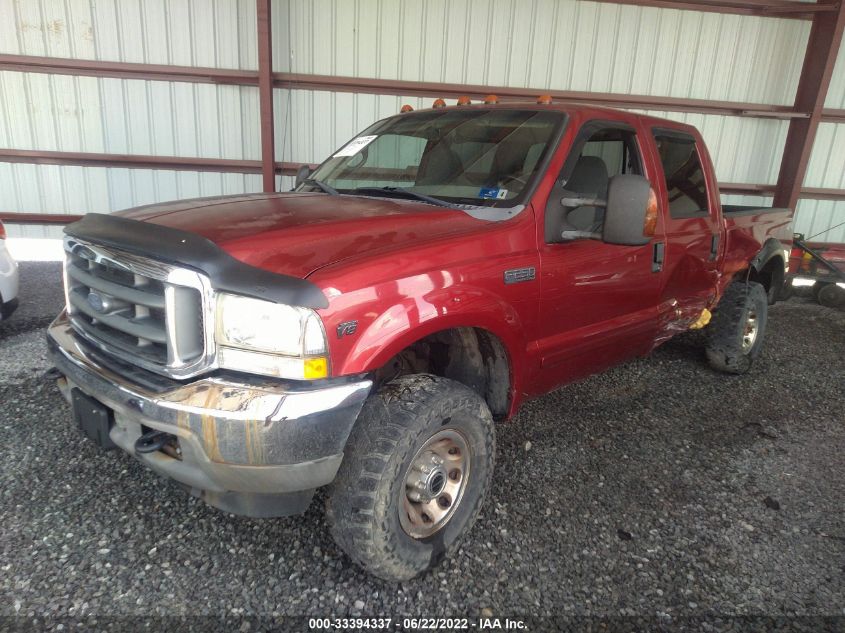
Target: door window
column 606, row 153
column 684, row 175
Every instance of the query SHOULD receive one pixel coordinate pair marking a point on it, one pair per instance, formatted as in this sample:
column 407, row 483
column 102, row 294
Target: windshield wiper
column 322, row 186
column 403, row 192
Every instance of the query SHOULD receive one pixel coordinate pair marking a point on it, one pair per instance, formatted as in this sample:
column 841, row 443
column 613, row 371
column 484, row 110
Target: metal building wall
column 565, row 45
column 124, row 116
column 538, row 44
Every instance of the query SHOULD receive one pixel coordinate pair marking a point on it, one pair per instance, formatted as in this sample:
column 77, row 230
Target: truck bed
column 748, row 230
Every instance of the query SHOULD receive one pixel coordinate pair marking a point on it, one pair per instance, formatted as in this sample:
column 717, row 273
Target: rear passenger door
column 691, row 230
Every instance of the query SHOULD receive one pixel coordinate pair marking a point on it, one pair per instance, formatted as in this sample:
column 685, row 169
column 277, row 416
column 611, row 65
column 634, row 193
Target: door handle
column 714, row 246
column 658, row 257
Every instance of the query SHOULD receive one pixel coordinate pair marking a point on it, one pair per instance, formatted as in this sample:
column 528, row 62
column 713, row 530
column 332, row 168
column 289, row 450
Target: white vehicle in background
column 8, row 278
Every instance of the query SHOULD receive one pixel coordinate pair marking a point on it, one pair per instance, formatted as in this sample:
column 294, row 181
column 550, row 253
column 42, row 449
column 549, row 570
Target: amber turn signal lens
column 406, row 108
column 462, row 101
column 490, row 99
column 438, row 103
column 544, row 99
column 315, row 368
column 650, row 227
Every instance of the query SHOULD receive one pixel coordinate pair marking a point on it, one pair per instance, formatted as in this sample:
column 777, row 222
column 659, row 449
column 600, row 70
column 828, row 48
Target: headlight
column 270, row 338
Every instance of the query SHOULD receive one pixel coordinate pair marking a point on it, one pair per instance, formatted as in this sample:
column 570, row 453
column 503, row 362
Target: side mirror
column 630, row 217
column 302, row 174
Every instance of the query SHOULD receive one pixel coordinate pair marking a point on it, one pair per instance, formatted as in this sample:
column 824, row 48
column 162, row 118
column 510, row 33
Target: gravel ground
column 658, row 489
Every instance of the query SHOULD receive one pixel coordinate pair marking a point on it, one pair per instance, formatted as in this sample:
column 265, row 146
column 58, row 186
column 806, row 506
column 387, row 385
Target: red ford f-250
column 364, row 331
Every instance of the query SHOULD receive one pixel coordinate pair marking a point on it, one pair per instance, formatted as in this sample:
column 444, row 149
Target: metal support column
column 265, row 96
column 822, row 48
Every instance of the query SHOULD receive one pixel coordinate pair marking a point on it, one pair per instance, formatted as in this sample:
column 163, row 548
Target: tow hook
column 153, row 441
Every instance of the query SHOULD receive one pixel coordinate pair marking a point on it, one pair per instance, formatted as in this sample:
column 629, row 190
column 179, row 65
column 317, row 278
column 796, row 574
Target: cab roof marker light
column 544, row 99
column 491, row 99
column 406, row 108
column 438, row 103
column 464, row 100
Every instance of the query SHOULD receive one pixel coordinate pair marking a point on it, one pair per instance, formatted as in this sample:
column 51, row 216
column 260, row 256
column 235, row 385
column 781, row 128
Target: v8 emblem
column 347, row 328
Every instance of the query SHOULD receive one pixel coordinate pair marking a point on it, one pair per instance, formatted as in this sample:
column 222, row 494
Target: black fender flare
column 772, row 248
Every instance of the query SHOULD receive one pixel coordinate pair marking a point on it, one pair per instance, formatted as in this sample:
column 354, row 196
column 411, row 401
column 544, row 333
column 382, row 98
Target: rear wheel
column 415, row 472
column 735, row 335
column 818, row 288
column 832, row 296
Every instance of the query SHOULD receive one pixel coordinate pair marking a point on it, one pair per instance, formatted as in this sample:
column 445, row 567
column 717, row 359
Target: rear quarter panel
column 749, row 232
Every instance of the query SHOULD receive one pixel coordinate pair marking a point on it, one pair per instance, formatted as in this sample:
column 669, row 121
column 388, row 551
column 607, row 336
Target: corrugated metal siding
column 545, row 43
column 67, row 189
column 86, row 114
column 821, row 219
column 836, row 93
column 127, row 116
column 825, row 169
column 562, row 44
column 212, row 33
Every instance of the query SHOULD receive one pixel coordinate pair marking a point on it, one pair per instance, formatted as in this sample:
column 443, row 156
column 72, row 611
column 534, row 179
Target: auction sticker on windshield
column 356, row 145
column 493, row 193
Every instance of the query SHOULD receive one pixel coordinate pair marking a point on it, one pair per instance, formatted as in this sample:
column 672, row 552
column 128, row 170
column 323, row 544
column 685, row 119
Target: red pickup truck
column 364, row 331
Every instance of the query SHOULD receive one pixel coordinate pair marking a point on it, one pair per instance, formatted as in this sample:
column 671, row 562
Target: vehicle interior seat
column 589, row 179
column 509, row 161
column 440, row 165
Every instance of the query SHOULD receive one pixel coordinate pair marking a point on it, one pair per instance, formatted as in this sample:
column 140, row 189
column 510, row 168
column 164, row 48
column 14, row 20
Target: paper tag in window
column 493, row 193
column 355, row 146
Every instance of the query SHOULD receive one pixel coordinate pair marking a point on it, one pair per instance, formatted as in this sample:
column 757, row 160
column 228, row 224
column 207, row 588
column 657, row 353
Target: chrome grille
column 144, row 312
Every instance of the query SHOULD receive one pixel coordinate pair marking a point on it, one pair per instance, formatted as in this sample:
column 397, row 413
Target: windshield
column 474, row 156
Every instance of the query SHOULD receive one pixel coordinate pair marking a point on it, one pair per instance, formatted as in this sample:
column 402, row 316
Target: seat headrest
column 510, row 155
column 589, row 177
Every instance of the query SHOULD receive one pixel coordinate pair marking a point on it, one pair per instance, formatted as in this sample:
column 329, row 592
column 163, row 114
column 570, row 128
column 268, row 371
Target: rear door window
column 684, row 175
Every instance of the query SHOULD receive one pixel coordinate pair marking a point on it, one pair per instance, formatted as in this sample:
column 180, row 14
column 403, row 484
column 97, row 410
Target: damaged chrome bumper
column 251, row 447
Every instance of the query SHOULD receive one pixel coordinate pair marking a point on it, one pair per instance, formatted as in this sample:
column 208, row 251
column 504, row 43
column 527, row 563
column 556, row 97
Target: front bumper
column 8, row 282
column 7, row 308
column 251, row 447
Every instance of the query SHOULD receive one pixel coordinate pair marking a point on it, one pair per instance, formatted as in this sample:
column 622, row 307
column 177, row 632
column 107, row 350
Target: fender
column 771, row 248
column 406, row 322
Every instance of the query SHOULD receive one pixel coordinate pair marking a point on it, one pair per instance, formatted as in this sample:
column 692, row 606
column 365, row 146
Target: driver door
column 598, row 301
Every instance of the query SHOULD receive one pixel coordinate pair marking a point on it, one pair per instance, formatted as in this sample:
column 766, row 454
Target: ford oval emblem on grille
column 96, row 301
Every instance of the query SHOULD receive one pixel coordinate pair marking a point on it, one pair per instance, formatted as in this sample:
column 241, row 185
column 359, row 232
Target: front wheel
column 415, row 472
column 735, row 335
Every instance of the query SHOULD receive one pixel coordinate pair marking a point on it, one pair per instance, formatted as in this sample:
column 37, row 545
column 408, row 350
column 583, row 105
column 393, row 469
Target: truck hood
column 298, row 233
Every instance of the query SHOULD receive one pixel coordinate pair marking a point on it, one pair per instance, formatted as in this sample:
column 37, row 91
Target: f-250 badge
column 347, row 328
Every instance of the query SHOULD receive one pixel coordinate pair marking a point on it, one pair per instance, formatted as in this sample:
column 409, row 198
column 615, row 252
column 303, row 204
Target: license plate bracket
column 93, row 418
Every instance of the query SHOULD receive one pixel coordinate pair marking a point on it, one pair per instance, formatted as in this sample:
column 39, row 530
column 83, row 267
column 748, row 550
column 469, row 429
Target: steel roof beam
column 153, row 72
column 760, row 8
